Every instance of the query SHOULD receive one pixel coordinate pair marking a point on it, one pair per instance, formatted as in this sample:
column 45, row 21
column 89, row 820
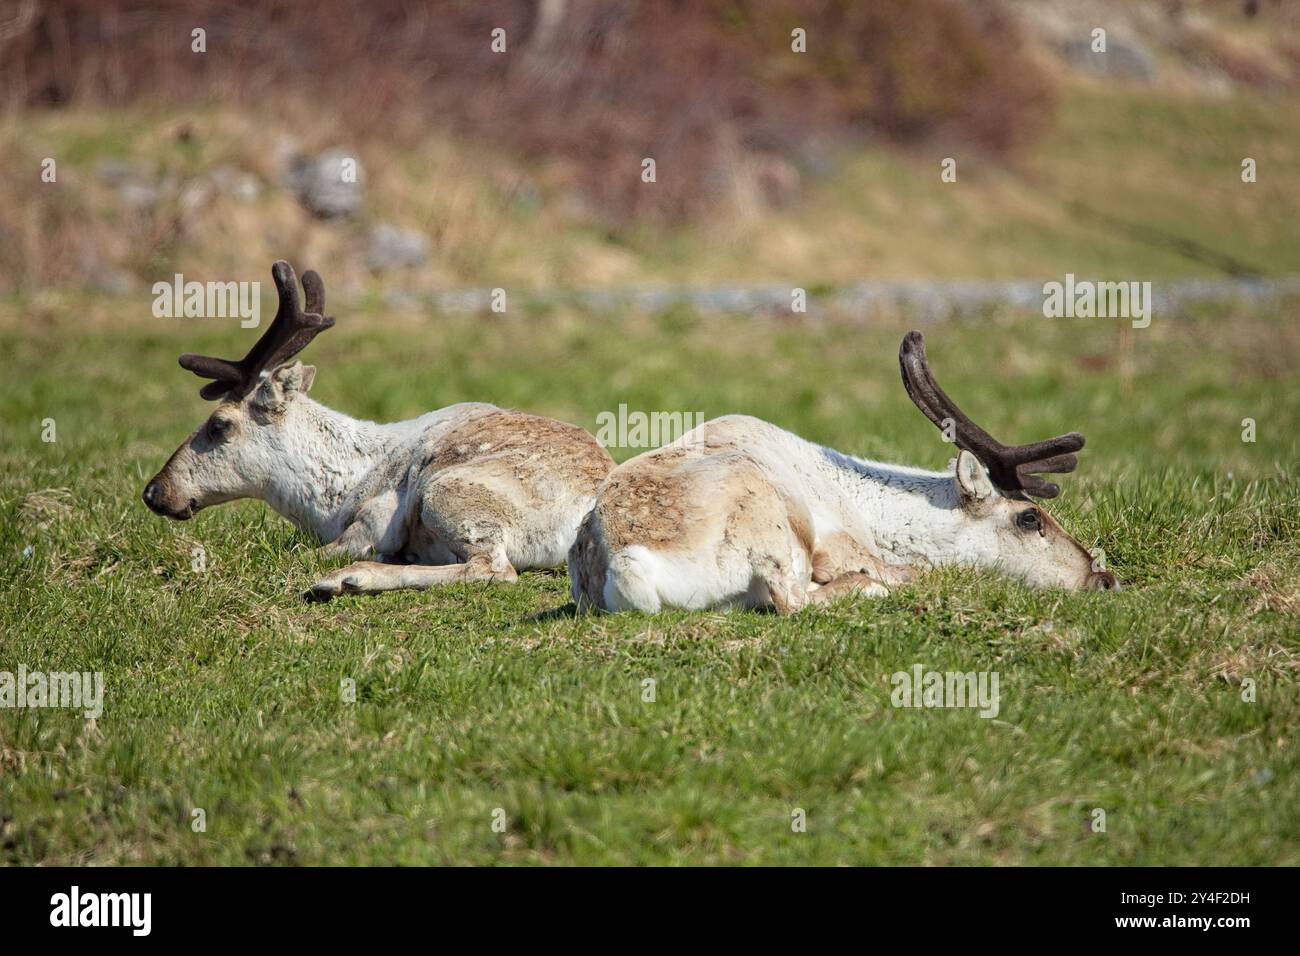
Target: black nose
column 1103, row 581
column 150, row 497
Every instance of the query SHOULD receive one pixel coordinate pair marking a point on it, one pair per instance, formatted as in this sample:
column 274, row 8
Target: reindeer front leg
column 377, row 530
column 372, row 577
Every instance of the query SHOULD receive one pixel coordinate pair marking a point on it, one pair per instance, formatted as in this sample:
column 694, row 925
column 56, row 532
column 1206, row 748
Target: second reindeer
column 739, row 512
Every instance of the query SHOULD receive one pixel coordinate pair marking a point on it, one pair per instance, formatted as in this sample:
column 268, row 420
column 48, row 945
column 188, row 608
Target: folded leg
column 853, row 582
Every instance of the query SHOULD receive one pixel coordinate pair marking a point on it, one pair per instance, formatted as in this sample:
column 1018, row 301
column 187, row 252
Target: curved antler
column 1013, row 468
column 290, row 332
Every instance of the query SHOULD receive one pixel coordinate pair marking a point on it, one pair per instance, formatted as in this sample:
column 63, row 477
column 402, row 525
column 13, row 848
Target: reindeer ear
column 294, row 377
column 973, row 478
column 277, row 387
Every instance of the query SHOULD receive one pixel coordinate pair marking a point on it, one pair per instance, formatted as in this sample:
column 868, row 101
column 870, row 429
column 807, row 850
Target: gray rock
column 139, row 195
column 329, row 185
column 393, row 247
column 404, row 299
column 194, row 197
column 136, row 184
column 110, row 279
column 528, row 197
column 115, row 172
column 1124, row 58
column 99, row 273
column 926, row 300
column 229, row 181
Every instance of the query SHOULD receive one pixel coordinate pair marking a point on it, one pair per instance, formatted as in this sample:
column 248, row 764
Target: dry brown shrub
column 702, row 87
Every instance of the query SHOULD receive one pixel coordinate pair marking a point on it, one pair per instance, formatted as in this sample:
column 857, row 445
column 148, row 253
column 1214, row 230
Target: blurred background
column 212, row 154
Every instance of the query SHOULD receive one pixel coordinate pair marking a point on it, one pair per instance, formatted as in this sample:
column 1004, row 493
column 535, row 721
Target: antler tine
column 934, row 401
column 1057, row 464
column 1012, row 468
column 1051, row 449
column 289, row 333
column 1035, row 487
column 292, row 329
column 284, row 323
column 315, row 289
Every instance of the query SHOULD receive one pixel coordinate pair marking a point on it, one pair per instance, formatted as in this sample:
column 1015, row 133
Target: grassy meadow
column 223, row 688
column 1172, row 706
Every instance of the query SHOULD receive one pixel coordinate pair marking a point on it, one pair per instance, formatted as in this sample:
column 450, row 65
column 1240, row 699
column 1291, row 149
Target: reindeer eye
column 1028, row 520
column 218, row 429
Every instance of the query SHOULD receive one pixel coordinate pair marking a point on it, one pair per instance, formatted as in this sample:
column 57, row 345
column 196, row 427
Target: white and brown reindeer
column 470, row 492
column 741, row 513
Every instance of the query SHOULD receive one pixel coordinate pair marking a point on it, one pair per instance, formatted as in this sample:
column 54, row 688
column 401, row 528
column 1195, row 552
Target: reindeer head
column 1003, row 526
column 232, row 454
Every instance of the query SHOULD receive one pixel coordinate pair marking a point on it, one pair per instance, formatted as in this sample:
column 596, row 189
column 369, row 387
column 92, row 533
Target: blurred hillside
column 523, row 168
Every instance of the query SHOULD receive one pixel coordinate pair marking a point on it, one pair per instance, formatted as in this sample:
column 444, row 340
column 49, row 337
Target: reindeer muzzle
column 1102, row 581
column 154, row 497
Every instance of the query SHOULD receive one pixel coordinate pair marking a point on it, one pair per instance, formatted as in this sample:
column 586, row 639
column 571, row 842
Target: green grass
column 223, row 690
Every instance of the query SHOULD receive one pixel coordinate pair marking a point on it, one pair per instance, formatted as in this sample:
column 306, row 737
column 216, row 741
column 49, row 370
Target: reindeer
column 739, row 512
column 470, row 492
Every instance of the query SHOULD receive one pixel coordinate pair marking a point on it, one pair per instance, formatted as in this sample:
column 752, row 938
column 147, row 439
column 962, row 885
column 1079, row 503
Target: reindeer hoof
column 319, row 592
column 349, row 580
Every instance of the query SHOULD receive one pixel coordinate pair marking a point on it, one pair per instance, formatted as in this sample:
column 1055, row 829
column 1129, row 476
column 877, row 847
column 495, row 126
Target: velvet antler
column 1012, row 468
column 290, row 333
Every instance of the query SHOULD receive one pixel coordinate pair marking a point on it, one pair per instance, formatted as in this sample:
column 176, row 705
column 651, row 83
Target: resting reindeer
column 470, row 492
column 739, row 512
